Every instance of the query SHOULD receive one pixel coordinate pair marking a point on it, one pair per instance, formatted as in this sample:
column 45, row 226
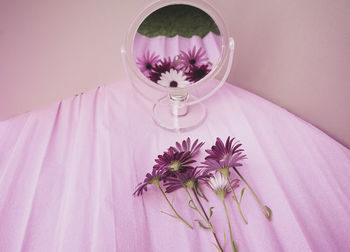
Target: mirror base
column 164, row 118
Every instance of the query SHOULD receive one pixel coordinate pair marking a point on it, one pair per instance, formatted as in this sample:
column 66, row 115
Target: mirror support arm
column 126, row 70
column 224, row 78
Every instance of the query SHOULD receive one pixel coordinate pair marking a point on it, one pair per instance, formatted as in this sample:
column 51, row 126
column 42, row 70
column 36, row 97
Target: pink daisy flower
column 192, row 58
column 147, row 61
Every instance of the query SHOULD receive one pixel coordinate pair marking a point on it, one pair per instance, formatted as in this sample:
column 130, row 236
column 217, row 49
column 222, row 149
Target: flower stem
column 206, row 216
column 267, row 214
column 237, row 202
column 172, row 207
column 197, row 210
column 200, row 192
column 234, row 247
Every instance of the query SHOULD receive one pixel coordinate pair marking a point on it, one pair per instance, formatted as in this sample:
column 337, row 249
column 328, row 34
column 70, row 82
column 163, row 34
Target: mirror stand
column 178, row 103
column 172, row 113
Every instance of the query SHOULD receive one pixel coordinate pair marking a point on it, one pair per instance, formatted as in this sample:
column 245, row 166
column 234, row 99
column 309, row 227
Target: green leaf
column 225, row 239
column 211, row 211
column 191, row 205
column 169, row 214
column 242, row 192
column 201, row 225
column 270, row 213
column 235, row 249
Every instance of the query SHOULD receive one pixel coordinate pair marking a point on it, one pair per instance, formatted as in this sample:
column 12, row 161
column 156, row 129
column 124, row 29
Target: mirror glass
column 177, row 45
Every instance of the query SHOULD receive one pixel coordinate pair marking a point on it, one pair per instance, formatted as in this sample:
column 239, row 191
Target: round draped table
column 68, row 171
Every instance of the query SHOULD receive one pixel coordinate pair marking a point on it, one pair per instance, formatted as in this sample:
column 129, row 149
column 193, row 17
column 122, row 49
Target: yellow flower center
column 221, row 193
column 175, row 166
column 225, row 171
column 190, row 183
column 155, row 181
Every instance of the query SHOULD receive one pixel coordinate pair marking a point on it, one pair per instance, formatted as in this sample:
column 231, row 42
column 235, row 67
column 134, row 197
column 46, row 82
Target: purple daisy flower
column 186, row 146
column 192, row 58
column 221, row 158
column 220, row 165
column 189, row 179
column 161, row 67
column 220, row 151
column 151, row 178
column 147, row 62
column 174, row 161
column 197, row 73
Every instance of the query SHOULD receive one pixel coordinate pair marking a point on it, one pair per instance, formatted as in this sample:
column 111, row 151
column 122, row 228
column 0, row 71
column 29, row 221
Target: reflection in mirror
column 177, row 45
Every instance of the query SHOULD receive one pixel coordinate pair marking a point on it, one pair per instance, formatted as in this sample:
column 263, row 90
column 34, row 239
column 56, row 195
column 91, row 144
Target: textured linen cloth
column 68, row 171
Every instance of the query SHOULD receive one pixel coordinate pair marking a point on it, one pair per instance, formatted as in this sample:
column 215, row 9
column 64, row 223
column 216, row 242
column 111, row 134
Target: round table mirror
column 174, row 47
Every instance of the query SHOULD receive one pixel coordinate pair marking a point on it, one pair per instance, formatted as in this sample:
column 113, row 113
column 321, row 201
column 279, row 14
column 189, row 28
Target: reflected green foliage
column 179, row 19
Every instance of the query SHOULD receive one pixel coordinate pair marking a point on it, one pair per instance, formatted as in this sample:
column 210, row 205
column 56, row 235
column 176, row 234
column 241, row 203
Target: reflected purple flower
column 147, row 62
column 193, row 64
column 162, row 66
column 193, row 58
column 197, row 73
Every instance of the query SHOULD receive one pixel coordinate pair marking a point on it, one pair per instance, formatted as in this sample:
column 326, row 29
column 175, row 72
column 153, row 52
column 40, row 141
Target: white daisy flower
column 173, row 79
column 219, row 184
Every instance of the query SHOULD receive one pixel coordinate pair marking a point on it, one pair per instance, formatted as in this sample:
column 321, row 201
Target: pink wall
column 294, row 53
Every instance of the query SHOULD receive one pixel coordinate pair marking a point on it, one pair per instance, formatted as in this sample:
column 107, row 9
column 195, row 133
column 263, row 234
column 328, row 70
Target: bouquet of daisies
column 180, row 71
column 175, row 169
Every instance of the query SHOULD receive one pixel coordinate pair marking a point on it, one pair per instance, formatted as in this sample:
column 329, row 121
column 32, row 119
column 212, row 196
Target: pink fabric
column 171, row 47
column 68, row 171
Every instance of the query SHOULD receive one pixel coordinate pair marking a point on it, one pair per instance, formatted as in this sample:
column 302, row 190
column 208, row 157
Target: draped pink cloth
column 68, row 171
